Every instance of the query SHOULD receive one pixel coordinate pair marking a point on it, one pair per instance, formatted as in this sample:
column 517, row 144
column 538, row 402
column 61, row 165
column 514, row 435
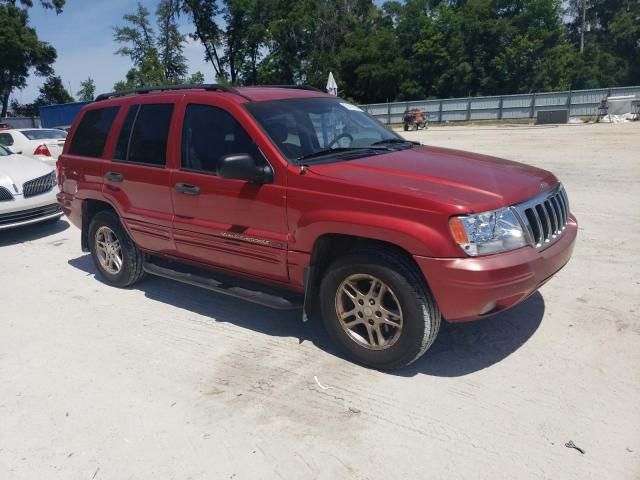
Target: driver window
column 209, row 133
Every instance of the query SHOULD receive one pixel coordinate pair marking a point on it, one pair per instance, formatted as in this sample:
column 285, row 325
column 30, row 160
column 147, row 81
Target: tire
column 131, row 258
column 419, row 315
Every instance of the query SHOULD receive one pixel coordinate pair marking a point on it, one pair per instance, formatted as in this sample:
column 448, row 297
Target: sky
column 83, row 37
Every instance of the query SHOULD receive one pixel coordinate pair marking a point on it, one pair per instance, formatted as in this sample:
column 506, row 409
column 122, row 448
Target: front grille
column 39, row 185
column 545, row 217
column 31, row 214
column 5, row 195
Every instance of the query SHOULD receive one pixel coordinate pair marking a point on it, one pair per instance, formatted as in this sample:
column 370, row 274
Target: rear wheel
column 378, row 309
column 117, row 258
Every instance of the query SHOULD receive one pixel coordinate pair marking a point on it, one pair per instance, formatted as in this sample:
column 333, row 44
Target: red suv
column 290, row 198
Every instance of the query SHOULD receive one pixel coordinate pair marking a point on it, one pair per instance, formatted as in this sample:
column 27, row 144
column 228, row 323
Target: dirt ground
column 167, row 381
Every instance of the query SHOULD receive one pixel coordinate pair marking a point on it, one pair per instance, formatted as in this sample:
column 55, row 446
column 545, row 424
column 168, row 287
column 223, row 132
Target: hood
column 18, row 169
column 467, row 182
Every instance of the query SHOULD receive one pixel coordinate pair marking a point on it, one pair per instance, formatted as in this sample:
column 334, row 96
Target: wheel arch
column 329, row 246
column 91, row 207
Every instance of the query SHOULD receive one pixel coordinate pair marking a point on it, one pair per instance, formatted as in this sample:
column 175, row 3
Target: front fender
column 417, row 238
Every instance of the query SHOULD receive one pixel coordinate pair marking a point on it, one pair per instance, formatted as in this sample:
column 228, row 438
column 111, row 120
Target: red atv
column 414, row 118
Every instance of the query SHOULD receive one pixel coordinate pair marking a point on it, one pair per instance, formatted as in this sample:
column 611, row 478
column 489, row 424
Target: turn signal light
column 457, row 231
column 42, row 150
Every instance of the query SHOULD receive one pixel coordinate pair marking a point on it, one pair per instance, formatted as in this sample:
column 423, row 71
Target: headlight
column 488, row 232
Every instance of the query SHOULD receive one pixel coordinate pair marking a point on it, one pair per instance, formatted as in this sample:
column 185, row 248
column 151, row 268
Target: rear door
column 232, row 224
column 136, row 180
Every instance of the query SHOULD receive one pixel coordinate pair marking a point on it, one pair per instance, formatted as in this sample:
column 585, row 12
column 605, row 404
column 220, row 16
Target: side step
column 226, row 285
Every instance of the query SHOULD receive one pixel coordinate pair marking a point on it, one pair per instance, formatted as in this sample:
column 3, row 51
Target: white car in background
column 28, row 190
column 40, row 143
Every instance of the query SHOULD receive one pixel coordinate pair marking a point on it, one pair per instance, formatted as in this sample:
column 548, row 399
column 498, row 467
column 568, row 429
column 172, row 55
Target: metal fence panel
column 621, row 91
column 593, row 97
column 554, row 99
column 516, row 101
column 517, row 113
column 22, row 122
column 454, row 104
column 522, row 106
column 484, row 102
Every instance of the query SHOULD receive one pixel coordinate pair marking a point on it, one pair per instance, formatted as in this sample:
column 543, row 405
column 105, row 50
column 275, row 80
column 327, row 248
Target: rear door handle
column 187, row 189
column 114, row 176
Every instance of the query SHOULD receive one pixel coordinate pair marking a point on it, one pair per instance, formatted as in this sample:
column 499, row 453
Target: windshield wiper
column 329, row 151
column 395, row 140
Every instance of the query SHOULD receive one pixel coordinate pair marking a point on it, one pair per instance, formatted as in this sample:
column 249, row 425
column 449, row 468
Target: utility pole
column 584, row 16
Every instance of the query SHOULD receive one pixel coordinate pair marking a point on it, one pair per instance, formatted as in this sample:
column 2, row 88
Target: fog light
column 487, row 308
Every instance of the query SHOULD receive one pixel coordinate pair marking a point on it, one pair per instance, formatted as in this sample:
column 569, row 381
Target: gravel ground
column 168, row 381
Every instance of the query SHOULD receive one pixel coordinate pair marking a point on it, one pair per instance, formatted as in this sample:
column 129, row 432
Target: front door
column 230, row 224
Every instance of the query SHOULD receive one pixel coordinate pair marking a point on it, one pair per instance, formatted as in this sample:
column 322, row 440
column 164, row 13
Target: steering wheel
column 340, row 137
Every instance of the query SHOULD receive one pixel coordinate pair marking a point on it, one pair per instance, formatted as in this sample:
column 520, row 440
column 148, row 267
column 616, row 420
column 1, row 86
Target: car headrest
column 277, row 131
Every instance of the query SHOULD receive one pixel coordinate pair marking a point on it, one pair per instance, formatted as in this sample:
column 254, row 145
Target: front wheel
column 378, row 309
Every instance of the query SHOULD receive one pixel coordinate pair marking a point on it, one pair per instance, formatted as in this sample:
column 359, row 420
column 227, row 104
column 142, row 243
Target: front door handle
column 114, row 176
column 187, row 189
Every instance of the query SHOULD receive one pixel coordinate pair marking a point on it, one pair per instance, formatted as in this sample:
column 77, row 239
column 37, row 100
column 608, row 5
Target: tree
column 136, row 37
column 21, row 51
column 157, row 59
column 203, row 14
column 52, row 92
column 170, row 42
column 138, row 43
column 56, row 5
column 195, row 79
column 87, row 90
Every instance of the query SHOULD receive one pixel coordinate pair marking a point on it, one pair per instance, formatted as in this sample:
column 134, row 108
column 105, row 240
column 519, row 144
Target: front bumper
column 470, row 288
column 25, row 211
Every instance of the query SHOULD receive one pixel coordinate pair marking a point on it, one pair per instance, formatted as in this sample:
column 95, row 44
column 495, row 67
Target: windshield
column 303, row 128
column 42, row 134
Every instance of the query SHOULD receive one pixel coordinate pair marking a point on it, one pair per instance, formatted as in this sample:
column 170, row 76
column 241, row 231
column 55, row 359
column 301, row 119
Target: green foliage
column 170, row 42
column 56, row 5
column 195, row 79
column 87, row 90
column 157, row 59
column 404, row 50
column 52, row 92
column 21, row 52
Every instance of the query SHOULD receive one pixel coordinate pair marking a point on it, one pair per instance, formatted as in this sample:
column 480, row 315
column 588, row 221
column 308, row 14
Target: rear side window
column 6, row 139
column 143, row 137
column 92, row 132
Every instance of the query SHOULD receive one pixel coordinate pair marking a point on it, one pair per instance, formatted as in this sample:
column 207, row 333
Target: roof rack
column 294, row 87
column 204, row 86
column 165, row 88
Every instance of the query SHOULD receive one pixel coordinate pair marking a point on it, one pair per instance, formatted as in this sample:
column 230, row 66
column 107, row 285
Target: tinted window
column 44, row 134
column 148, row 140
column 209, row 133
column 125, row 134
column 4, row 152
column 6, row 139
column 92, row 132
column 304, row 126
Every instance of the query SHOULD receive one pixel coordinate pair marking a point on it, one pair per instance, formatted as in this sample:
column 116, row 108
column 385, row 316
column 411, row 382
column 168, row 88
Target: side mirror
column 242, row 166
